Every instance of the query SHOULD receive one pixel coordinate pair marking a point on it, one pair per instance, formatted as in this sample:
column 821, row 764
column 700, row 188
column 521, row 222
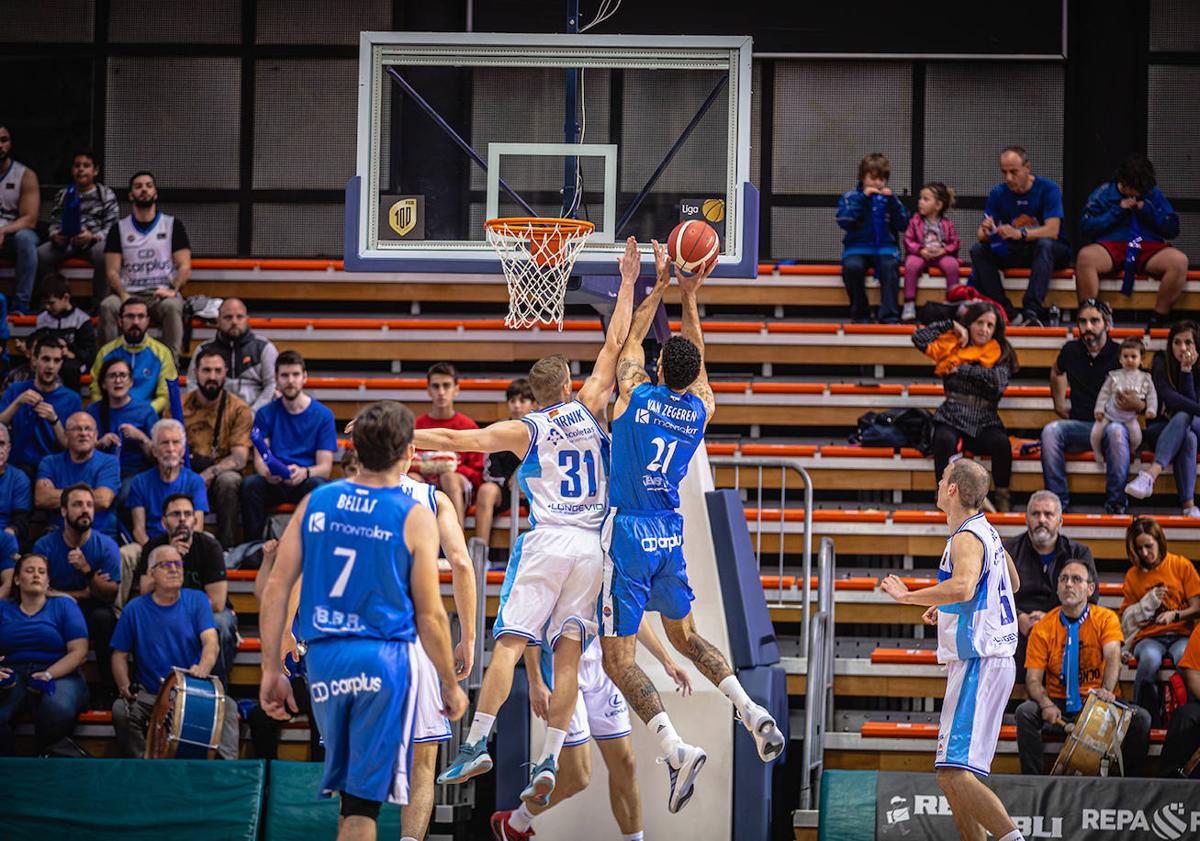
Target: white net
column 537, row 256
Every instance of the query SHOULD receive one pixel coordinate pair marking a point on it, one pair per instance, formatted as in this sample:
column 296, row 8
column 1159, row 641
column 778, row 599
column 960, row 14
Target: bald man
column 80, row 464
column 249, row 359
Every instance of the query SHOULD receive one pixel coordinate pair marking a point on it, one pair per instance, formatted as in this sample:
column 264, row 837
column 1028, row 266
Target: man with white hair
column 149, row 491
column 1040, row 553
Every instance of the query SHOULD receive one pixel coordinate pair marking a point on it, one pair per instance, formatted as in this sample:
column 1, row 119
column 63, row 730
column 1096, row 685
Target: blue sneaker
column 683, row 778
column 471, row 761
column 541, row 783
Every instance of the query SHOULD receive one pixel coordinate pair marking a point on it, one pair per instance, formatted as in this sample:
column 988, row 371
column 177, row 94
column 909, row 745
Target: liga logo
column 402, row 216
column 713, row 209
column 316, row 521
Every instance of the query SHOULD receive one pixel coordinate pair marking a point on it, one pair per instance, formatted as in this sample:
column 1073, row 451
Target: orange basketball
column 693, row 245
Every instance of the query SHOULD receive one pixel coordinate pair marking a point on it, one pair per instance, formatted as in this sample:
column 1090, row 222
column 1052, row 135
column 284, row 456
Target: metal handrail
column 818, row 702
column 738, row 462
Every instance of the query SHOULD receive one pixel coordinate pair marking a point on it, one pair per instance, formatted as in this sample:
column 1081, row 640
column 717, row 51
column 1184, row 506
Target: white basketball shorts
column 977, row 691
column 552, row 583
column 600, row 711
column 429, row 724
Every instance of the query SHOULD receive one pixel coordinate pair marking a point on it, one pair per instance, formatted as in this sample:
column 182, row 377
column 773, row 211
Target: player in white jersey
column 430, row 725
column 972, row 604
column 601, row 714
column 554, row 569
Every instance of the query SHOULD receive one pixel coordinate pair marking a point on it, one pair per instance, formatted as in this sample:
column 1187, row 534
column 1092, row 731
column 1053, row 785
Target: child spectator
column 65, row 321
column 930, row 240
column 1131, row 378
column 456, row 476
column 79, row 222
column 351, row 466
column 495, row 494
column 872, row 218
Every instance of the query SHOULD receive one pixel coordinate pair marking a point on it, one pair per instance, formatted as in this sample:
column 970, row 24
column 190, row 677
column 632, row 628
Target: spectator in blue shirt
column 85, row 565
column 149, row 491
column 169, row 628
column 16, row 497
column 1022, row 226
column 299, row 432
column 35, row 409
column 43, row 642
column 81, row 464
column 8, row 560
column 1128, row 222
column 122, row 421
column 873, row 220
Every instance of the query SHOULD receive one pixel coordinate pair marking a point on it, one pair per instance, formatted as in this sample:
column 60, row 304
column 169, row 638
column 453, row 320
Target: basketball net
column 537, row 256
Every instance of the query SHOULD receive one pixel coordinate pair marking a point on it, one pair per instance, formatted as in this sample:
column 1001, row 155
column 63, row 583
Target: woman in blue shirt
column 43, row 642
column 123, row 421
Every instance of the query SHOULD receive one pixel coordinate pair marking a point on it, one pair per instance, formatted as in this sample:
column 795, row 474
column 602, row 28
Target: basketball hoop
column 537, row 256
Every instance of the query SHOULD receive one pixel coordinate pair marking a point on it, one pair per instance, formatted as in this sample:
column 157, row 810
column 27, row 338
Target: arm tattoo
column 631, row 374
column 704, row 391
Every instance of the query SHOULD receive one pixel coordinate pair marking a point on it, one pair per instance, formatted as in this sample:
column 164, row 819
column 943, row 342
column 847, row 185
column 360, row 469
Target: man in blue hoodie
column 1128, row 222
column 873, row 219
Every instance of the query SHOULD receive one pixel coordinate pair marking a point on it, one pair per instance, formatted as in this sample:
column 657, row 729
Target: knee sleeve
column 358, row 807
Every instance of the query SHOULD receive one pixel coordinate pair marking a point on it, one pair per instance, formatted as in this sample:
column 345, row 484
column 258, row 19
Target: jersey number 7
column 339, row 586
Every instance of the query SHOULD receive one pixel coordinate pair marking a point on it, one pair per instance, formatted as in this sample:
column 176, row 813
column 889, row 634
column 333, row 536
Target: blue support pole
column 570, row 125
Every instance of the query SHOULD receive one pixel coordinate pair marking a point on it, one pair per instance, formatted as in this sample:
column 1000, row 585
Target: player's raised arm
column 597, row 389
column 275, row 693
column 689, row 286
column 967, row 552
column 462, row 576
column 631, row 366
column 433, row 626
column 510, row 435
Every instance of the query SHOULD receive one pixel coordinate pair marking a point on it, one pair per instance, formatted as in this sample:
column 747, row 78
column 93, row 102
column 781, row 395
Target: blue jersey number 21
column 572, row 485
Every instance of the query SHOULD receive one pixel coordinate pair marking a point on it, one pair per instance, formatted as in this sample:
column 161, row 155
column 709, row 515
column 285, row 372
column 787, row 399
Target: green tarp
column 126, row 799
column 848, row 806
column 295, row 814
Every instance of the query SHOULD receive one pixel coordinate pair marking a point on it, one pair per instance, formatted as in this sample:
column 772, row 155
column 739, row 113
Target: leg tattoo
column 639, row 692
column 711, row 662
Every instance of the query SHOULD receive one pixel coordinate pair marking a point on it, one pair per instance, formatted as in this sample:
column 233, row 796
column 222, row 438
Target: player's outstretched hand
column 894, row 587
column 454, row 702
column 464, row 659
column 275, row 696
column 662, row 266
column 630, row 262
column 690, row 283
column 683, row 683
column 929, row 617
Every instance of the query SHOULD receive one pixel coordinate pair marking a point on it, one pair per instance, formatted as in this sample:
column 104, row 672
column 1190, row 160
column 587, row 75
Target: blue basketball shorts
column 364, row 709
column 644, row 569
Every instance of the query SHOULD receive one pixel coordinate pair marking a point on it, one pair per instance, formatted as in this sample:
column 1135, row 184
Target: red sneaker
column 501, row 831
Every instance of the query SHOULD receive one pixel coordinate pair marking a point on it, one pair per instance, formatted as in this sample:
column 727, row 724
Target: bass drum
column 187, row 718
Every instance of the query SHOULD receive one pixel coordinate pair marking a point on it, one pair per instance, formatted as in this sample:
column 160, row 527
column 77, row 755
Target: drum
column 1095, row 739
column 187, row 718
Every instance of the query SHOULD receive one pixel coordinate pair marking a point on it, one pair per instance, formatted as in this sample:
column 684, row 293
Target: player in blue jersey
column 368, row 554
column 553, row 574
column 972, row 606
column 656, row 429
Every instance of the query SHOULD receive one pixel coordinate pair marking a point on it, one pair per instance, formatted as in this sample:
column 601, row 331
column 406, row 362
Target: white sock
column 481, row 727
column 521, row 819
column 632, row 836
column 1015, row 835
column 553, row 745
column 661, row 727
column 734, row 692
column 408, row 838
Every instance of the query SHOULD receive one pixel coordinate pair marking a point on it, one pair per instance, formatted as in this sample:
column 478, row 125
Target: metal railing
column 818, row 701
column 757, row 466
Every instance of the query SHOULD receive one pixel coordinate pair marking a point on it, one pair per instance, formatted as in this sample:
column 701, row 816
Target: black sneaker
column 1114, row 508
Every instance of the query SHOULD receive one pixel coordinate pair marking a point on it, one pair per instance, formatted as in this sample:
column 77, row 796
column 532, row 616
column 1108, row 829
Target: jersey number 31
column 569, row 462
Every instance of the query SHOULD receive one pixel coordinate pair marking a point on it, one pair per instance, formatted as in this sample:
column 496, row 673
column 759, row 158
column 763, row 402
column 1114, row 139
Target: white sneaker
column 1142, row 486
column 766, row 733
column 684, row 766
column 909, row 313
column 1192, row 512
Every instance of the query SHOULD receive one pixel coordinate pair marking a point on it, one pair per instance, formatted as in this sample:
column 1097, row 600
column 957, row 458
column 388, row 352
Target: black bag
column 895, row 428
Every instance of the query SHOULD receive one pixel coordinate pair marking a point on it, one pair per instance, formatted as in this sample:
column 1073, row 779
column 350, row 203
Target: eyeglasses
column 168, row 565
column 1073, row 579
column 77, row 428
column 178, row 515
column 116, row 375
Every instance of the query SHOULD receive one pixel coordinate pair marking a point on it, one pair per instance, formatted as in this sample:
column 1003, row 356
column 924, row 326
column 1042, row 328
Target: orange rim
column 537, row 227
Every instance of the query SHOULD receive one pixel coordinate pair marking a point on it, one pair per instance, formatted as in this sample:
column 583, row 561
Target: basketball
column 693, row 245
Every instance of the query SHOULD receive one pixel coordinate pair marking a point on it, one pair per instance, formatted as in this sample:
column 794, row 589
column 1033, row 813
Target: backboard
column 632, row 133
